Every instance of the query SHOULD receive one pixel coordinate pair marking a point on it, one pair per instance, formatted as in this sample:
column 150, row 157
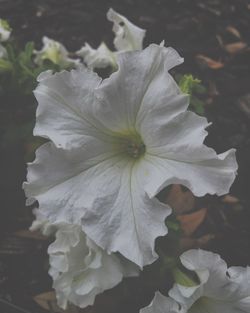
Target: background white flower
column 97, row 58
column 161, row 304
column 221, row 289
column 5, row 30
column 128, row 37
column 55, row 52
column 81, row 270
column 115, row 145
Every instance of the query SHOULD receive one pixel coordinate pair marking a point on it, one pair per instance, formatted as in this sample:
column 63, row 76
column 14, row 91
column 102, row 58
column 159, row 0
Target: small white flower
column 81, row 270
column 221, row 289
column 128, row 37
column 161, row 304
column 55, row 52
column 5, row 30
column 115, row 145
column 97, row 58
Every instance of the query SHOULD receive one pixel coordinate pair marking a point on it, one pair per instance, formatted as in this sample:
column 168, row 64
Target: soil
column 197, row 29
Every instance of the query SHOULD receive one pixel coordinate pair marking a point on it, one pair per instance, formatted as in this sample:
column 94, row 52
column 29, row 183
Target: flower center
column 135, row 149
column 132, row 145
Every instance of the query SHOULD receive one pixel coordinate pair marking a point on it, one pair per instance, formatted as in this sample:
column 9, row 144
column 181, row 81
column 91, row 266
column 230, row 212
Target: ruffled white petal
column 140, row 86
column 122, row 94
column 130, row 206
column 224, row 290
column 42, row 224
column 67, row 167
column 66, row 110
column 180, row 157
column 81, row 270
column 97, row 58
column 174, row 140
column 213, row 176
column 128, row 36
column 241, row 277
column 174, row 137
column 105, row 197
column 161, row 304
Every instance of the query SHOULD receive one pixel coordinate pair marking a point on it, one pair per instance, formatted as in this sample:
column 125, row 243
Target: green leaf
column 5, row 66
column 193, row 87
column 173, row 225
column 11, row 52
column 197, row 104
column 188, row 83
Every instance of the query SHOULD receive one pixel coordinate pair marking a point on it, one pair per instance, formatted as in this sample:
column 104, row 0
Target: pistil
column 132, row 145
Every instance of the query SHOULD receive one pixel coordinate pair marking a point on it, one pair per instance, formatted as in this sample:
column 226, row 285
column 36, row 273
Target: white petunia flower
column 128, row 37
column 115, row 145
column 81, row 270
column 221, row 289
column 97, row 58
column 162, row 304
column 5, row 30
column 55, row 52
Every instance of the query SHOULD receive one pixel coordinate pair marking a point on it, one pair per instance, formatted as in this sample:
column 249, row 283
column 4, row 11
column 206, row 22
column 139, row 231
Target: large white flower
column 81, row 270
column 128, row 37
column 115, row 145
column 5, row 30
column 221, row 289
column 55, row 52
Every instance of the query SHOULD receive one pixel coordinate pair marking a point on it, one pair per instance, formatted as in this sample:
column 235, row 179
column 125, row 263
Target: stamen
column 135, row 149
column 133, row 146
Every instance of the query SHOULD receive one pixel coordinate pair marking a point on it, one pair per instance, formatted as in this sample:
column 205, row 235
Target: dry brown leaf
column 179, row 200
column 189, row 243
column 233, row 31
column 235, row 47
column 25, row 233
column 230, row 199
column 190, row 222
column 47, row 300
column 215, row 65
